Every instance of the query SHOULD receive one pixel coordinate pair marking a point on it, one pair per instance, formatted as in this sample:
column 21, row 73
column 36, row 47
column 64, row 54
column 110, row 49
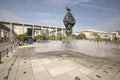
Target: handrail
column 10, row 47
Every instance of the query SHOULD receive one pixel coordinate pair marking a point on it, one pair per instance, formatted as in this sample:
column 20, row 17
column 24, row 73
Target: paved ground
column 25, row 64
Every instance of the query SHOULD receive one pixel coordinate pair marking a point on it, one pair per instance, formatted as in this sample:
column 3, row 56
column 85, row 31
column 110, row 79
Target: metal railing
column 5, row 51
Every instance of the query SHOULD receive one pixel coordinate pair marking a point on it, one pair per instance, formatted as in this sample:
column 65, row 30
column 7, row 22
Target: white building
column 20, row 30
column 92, row 34
column 115, row 34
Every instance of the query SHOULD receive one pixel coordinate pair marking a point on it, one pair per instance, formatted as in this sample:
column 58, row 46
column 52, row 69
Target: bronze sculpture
column 69, row 22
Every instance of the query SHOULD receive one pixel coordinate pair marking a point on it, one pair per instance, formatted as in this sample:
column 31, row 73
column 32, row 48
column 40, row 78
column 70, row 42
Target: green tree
column 98, row 38
column 81, row 36
column 52, row 37
column 38, row 36
column 21, row 36
column 63, row 37
column 74, row 36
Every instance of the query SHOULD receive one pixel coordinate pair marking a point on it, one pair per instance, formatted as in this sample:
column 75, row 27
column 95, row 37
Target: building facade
column 92, row 34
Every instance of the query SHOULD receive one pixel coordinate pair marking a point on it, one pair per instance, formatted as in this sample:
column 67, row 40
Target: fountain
column 87, row 47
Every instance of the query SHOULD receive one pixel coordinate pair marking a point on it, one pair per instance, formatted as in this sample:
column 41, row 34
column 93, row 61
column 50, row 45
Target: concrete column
column 41, row 31
column 11, row 32
column 33, row 31
column 56, row 32
column 13, row 35
column 0, row 33
column 23, row 28
column 49, row 31
column 62, row 32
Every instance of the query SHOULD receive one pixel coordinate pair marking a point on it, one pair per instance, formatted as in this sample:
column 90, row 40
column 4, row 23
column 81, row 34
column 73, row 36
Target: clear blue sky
column 89, row 14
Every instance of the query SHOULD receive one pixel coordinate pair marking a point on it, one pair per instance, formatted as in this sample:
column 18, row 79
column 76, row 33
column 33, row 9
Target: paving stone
column 66, row 68
column 63, row 77
column 55, row 59
column 51, row 79
column 3, row 74
column 5, row 62
column 46, row 61
column 106, row 73
column 59, row 63
column 30, row 66
column 98, row 76
column 84, row 69
column 14, row 69
column 44, row 75
column 23, row 65
column 56, row 71
column 36, row 62
column 110, row 68
column 24, row 74
column 8, row 64
column 76, row 72
column 38, row 69
column 86, row 78
column 51, row 66
column 116, row 77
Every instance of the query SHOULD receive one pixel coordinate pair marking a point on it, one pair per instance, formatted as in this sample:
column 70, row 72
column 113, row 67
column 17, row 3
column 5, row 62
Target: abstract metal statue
column 69, row 22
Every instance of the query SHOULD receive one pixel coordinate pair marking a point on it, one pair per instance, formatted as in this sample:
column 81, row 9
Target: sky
column 89, row 14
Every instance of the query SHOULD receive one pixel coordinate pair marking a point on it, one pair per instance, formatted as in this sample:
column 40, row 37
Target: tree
column 74, row 36
column 52, row 37
column 61, row 37
column 38, row 36
column 81, row 36
column 21, row 36
column 98, row 38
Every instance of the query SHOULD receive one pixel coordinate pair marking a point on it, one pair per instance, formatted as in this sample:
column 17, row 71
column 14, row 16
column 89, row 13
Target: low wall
column 91, row 48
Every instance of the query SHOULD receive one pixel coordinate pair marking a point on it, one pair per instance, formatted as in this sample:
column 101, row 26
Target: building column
column 41, row 31
column 0, row 33
column 49, row 31
column 62, row 32
column 56, row 32
column 11, row 32
column 23, row 28
column 33, row 31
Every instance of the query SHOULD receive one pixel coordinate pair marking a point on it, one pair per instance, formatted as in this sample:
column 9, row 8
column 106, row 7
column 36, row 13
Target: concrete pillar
column 11, row 32
column 56, row 32
column 23, row 28
column 33, row 31
column 0, row 33
column 41, row 31
column 49, row 31
column 62, row 32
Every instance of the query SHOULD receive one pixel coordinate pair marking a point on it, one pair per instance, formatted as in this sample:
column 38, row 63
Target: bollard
column 7, row 53
column 0, row 58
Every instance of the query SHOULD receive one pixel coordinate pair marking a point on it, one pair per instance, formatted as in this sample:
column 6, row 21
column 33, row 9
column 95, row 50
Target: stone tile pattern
column 57, row 68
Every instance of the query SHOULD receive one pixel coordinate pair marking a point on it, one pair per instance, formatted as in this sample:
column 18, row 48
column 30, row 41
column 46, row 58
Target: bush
column 98, row 39
column 74, row 36
column 81, row 36
column 21, row 36
column 38, row 36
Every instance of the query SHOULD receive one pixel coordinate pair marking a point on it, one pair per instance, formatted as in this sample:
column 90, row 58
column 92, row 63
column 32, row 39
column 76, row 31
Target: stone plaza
column 40, row 61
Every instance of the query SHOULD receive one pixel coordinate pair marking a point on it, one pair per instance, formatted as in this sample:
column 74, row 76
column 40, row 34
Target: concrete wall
column 91, row 48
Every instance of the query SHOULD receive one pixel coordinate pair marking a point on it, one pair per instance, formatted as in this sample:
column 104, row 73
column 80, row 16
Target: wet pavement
column 25, row 64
